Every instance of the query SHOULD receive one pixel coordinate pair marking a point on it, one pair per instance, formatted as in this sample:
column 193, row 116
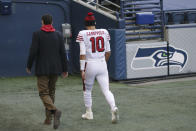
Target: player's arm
column 108, row 50
column 82, row 59
column 107, row 55
column 80, row 40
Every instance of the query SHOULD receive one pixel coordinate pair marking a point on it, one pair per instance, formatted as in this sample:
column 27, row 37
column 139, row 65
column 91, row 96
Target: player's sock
column 88, row 109
column 87, row 98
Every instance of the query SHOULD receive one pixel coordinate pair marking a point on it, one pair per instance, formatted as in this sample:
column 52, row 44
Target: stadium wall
column 174, row 56
column 178, row 4
column 143, row 59
column 128, row 61
column 17, row 28
column 182, row 38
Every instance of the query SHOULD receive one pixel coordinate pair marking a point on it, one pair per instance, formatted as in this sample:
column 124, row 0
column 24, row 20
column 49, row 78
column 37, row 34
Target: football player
column 94, row 52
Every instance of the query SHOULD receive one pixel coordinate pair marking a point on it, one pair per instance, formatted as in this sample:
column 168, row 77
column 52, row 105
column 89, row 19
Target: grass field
column 169, row 106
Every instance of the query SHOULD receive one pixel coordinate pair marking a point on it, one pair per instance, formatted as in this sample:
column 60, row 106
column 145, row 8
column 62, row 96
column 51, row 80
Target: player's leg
column 103, row 81
column 88, row 102
column 88, row 85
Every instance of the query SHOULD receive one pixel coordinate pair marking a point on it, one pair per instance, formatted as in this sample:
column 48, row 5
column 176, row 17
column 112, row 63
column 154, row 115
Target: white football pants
column 97, row 69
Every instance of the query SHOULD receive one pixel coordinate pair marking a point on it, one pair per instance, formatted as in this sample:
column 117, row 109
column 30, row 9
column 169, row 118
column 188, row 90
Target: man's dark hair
column 47, row 19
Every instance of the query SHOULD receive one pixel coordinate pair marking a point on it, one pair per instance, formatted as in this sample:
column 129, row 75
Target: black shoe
column 57, row 116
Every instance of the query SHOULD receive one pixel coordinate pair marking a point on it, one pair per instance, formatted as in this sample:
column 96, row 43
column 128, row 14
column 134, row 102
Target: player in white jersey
column 94, row 52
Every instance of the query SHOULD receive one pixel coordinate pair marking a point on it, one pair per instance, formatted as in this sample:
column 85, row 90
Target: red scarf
column 48, row 28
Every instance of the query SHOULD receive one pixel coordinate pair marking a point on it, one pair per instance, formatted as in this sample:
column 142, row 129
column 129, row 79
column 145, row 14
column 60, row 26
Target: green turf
column 158, row 107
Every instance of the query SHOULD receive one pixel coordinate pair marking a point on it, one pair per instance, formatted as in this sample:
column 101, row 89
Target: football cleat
column 115, row 115
column 87, row 116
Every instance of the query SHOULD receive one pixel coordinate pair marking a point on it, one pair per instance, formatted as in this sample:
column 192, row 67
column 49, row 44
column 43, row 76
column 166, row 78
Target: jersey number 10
column 97, row 44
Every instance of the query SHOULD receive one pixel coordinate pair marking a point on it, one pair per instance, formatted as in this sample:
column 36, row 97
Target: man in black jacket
column 48, row 52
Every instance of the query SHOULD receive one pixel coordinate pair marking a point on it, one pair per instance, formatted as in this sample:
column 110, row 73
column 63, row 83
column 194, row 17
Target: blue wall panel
column 117, row 62
column 16, row 33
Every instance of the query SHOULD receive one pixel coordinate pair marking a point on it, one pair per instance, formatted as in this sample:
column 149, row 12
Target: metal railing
column 99, row 6
column 111, row 3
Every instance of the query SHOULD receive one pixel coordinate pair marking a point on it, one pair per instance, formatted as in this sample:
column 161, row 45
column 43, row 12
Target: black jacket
column 48, row 52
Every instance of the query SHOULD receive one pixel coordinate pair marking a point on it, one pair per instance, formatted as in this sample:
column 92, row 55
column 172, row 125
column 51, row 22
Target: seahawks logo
column 157, row 57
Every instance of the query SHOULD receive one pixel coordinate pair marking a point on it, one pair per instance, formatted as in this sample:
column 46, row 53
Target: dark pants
column 46, row 86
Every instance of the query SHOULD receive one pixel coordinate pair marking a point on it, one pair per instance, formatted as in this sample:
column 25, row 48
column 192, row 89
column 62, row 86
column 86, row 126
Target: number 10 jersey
column 96, row 43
